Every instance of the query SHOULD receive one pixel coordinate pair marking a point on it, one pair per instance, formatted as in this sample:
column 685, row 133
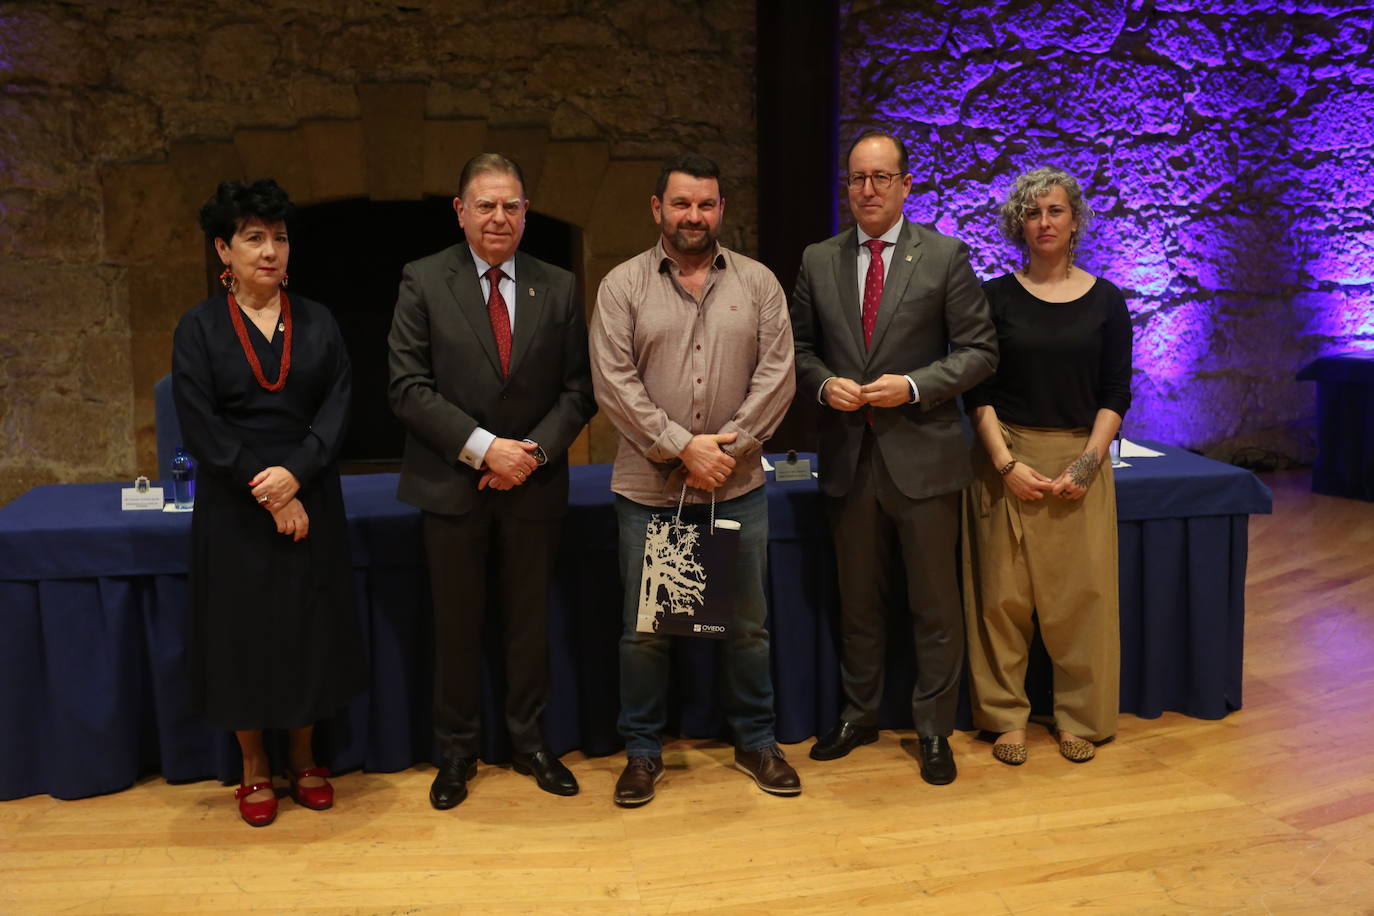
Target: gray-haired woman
column 1040, row 517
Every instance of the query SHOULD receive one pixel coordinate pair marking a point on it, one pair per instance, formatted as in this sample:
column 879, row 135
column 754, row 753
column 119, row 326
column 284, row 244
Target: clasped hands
column 275, row 489
column 886, row 390
column 508, row 464
column 1028, row 484
column 707, row 466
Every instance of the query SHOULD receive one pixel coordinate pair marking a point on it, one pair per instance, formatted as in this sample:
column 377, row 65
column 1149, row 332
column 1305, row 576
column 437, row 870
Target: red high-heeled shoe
column 316, row 797
column 256, row 813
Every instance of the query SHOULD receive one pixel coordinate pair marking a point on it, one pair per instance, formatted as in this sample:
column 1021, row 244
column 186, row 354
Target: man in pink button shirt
column 692, row 361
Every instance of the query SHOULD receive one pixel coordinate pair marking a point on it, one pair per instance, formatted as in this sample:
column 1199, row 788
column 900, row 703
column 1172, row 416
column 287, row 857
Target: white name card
column 798, row 469
column 134, row 498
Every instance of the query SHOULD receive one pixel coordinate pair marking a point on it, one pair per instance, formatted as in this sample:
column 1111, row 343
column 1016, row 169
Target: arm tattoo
column 1081, row 471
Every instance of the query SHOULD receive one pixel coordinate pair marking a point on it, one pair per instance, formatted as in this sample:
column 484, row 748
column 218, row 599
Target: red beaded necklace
column 242, row 330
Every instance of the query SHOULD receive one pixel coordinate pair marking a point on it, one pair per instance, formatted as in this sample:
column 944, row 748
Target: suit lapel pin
column 531, row 290
column 908, row 257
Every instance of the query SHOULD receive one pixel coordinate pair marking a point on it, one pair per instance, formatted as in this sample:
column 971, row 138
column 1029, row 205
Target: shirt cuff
column 915, row 395
column 475, row 449
column 820, row 392
column 669, row 444
column 744, row 442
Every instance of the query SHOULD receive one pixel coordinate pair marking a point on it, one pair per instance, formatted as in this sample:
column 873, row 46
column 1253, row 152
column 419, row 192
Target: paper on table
column 767, row 465
column 1131, row 449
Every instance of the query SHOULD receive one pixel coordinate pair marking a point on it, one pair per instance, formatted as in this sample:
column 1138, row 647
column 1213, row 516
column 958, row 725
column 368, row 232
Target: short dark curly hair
column 235, row 203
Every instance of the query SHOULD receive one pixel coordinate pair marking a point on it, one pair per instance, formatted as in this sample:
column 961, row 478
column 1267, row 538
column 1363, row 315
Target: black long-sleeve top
column 235, row 427
column 1061, row 362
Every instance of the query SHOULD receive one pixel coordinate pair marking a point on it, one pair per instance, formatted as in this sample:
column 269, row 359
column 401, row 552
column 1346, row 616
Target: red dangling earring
column 227, row 279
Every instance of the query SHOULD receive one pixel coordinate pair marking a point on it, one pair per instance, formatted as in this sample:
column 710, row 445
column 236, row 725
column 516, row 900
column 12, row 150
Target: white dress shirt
column 475, row 449
column 865, row 256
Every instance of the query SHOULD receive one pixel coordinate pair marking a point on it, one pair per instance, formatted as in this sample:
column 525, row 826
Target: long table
column 94, row 603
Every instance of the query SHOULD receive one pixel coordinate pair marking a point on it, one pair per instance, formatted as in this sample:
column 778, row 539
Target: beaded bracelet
column 1005, row 469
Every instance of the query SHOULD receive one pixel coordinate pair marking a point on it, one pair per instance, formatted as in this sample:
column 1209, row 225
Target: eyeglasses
column 881, row 180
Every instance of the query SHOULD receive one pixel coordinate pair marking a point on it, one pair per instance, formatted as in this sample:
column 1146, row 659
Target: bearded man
column 692, row 361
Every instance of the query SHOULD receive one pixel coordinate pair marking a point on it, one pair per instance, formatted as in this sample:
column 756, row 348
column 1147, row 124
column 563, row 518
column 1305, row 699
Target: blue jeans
column 645, row 658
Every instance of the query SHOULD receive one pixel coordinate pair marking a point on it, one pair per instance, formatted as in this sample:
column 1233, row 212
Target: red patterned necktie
column 500, row 318
column 873, row 287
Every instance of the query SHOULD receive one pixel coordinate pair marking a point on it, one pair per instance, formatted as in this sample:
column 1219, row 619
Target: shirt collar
column 663, row 259
column 890, row 236
column 507, row 266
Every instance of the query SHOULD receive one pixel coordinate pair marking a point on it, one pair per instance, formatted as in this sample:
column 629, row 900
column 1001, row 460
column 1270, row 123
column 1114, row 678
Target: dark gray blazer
column 933, row 325
column 446, row 381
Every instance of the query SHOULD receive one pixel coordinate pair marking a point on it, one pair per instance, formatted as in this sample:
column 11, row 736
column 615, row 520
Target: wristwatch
column 539, row 456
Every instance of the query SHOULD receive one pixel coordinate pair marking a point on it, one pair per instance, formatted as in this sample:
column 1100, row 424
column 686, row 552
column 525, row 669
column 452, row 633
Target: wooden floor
column 1270, row 810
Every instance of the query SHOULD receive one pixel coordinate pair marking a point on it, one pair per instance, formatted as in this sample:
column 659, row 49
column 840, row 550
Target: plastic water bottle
column 183, row 479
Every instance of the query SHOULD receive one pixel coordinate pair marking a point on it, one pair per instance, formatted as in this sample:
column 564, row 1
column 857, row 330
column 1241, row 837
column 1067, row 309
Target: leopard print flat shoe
column 1010, row 753
column 1077, row 750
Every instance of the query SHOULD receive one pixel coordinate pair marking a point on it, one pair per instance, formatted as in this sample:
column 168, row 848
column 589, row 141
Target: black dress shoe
column 548, row 771
column 842, row 739
column 451, row 782
column 937, row 761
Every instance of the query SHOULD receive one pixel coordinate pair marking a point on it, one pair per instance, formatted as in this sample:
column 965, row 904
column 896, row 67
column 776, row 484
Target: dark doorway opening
column 349, row 254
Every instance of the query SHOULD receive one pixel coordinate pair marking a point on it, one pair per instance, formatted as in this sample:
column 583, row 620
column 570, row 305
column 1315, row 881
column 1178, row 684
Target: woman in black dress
column 1040, row 516
column 262, row 384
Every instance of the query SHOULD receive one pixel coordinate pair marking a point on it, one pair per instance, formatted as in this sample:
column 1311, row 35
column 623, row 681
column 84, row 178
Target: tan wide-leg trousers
column 1056, row 559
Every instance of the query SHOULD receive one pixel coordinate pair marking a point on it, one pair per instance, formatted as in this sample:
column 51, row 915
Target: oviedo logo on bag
column 707, row 628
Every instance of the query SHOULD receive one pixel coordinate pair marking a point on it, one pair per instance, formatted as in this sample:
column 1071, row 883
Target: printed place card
column 792, row 469
column 135, row 498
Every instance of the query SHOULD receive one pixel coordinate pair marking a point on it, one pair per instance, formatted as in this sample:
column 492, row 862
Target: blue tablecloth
column 94, row 600
column 1345, row 424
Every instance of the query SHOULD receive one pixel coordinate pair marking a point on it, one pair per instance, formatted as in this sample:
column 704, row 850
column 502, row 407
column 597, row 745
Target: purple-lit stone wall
column 1227, row 145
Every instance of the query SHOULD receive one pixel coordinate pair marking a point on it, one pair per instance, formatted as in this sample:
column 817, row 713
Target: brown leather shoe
column 770, row 770
column 635, row 786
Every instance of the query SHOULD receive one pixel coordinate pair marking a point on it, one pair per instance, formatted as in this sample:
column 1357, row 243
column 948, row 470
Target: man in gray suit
column 890, row 325
column 490, row 376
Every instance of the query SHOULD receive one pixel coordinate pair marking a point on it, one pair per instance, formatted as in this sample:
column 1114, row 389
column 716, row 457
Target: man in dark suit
column 890, row 325
column 490, row 376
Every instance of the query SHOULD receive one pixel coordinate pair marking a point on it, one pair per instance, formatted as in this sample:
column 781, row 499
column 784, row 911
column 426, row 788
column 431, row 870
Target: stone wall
column 117, row 119
column 1226, row 145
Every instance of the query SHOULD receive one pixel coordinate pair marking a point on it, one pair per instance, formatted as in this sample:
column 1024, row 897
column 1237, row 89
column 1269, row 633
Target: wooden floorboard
column 1270, row 810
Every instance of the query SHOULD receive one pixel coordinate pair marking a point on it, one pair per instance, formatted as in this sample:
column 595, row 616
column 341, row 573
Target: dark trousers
column 482, row 563
column 873, row 524
column 746, row 679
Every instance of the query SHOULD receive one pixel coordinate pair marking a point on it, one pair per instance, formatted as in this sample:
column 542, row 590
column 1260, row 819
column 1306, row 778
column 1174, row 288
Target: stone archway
column 391, row 152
